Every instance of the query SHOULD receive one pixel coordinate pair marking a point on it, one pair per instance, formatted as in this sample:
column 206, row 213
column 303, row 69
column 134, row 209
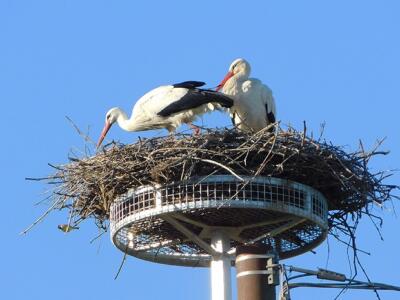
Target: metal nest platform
column 175, row 223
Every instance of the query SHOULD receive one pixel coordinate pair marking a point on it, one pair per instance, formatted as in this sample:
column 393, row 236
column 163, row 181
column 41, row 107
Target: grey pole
column 255, row 280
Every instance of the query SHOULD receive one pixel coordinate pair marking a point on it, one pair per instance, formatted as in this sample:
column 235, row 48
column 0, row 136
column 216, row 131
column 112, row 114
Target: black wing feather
column 270, row 116
column 195, row 98
column 233, row 119
column 189, row 84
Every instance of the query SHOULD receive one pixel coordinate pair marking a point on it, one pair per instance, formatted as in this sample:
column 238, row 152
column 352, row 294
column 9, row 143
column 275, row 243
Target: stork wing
column 193, row 99
column 233, row 116
column 269, row 101
column 270, row 115
column 189, row 84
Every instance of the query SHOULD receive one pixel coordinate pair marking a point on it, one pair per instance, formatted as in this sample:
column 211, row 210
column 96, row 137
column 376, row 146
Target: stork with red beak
column 254, row 105
column 167, row 107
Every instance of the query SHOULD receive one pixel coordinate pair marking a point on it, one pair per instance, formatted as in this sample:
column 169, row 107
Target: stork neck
column 233, row 84
column 124, row 122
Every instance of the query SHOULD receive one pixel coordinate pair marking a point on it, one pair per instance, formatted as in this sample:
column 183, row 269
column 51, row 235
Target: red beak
column 106, row 128
column 226, row 78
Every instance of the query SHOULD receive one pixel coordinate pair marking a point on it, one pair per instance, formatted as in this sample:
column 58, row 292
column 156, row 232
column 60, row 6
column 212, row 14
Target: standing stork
column 167, row 107
column 254, row 105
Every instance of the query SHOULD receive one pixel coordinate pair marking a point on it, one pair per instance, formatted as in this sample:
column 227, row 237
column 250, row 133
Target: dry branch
column 87, row 186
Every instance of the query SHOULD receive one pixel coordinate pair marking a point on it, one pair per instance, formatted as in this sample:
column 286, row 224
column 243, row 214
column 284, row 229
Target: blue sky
column 326, row 61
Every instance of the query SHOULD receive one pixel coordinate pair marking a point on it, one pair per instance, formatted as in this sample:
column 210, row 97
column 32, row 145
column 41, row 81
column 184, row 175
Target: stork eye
column 108, row 116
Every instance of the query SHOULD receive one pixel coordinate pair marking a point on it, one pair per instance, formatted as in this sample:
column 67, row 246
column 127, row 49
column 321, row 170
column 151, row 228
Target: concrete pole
column 254, row 279
column 220, row 267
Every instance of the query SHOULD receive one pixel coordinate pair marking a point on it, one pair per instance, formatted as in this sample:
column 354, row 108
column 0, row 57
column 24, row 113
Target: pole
column 220, row 267
column 255, row 281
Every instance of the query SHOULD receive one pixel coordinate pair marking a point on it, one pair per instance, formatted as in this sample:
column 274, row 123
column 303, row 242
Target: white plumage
column 254, row 106
column 167, row 107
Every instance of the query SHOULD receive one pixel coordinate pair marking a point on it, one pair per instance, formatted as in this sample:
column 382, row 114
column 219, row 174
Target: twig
column 122, row 263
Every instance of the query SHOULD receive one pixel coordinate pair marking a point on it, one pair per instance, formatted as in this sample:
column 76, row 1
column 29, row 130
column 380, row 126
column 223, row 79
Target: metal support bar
column 264, row 223
column 192, row 236
column 233, row 233
column 278, row 230
column 183, row 218
column 221, row 267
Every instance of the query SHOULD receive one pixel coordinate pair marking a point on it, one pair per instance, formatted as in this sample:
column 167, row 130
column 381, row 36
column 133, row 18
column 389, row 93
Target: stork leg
column 196, row 129
column 171, row 131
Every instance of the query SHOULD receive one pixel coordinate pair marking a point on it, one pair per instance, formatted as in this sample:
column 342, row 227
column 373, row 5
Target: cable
column 328, row 275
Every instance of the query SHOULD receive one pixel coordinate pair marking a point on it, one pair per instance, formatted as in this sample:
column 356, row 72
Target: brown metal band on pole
column 252, row 274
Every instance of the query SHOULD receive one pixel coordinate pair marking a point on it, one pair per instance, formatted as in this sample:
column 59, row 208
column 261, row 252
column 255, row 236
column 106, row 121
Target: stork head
column 111, row 117
column 239, row 67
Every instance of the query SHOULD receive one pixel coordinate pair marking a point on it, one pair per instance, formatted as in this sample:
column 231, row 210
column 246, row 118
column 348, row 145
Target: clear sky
column 326, row 61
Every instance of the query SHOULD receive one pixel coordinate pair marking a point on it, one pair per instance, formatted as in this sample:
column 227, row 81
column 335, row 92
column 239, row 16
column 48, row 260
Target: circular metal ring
column 173, row 223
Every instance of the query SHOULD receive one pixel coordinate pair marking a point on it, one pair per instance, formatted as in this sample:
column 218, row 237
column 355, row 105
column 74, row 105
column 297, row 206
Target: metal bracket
column 273, row 267
column 189, row 234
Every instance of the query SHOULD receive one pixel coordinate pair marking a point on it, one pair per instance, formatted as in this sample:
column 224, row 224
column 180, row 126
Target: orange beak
column 226, row 78
column 106, row 128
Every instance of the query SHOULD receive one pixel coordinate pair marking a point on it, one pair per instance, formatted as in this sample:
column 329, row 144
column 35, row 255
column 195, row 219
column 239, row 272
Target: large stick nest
column 87, row 186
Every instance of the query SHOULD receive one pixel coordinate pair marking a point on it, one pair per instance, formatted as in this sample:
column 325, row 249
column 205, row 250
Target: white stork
column 254, row 105
column 167, row 107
